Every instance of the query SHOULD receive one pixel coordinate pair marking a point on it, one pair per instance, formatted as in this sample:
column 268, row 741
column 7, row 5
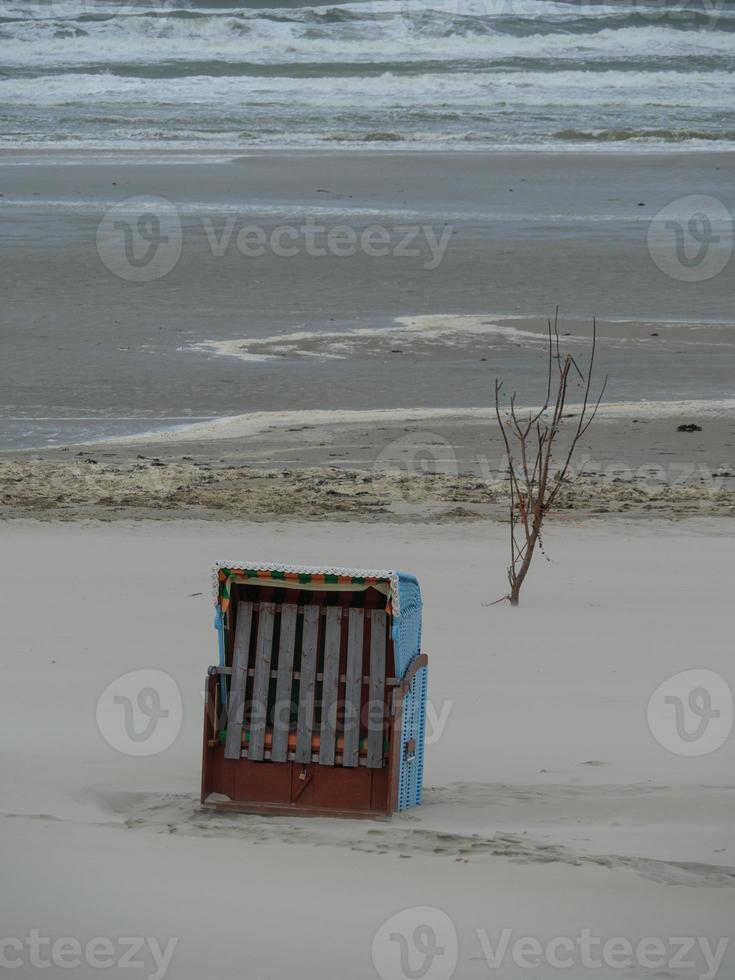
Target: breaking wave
column 440, row 72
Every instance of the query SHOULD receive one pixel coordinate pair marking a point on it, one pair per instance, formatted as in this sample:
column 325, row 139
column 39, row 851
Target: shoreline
column 225, row 427
column 217, row 428
column 229, row 154
column 332, row 354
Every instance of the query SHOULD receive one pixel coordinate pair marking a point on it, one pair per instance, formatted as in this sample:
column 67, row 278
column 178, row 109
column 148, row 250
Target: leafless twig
column 533, row 482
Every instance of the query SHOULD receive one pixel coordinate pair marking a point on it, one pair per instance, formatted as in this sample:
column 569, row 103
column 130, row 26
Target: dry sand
column 550, row 807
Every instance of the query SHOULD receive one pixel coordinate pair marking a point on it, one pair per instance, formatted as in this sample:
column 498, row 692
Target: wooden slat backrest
column 307, row 683
column 284, row 681
column 318, row 676
column 376, row 689
column 330, row 683
column 236, row 705
column 261, row 681
column 353, row 687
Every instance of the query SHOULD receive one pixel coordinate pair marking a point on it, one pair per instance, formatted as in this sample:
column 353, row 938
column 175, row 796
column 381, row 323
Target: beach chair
column 318, row 702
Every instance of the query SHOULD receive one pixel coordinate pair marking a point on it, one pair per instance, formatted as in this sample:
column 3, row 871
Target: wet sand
column 298, row 356
column 528, row 232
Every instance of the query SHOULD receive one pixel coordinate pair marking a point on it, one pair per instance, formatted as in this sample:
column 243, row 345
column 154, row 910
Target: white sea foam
column 422, row 331
column 415, row 72
column 255, row 423
column 268, row 42
column 292, row 212
column 466, row 89
column 432, row 333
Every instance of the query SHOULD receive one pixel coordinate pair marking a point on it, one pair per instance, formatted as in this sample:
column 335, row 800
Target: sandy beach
column 550, row 806
column 180, row 391
column 261, row 268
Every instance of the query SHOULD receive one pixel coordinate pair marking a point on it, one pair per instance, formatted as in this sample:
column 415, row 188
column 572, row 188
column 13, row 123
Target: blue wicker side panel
column 407, row 646
column 410, row 783
column 422, row 682
column 407, row 628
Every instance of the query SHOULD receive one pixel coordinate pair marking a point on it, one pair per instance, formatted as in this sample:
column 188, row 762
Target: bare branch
column 533, row 485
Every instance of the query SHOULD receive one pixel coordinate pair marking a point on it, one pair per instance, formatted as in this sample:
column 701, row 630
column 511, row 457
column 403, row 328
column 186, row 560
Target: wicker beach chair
column 318, row 702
